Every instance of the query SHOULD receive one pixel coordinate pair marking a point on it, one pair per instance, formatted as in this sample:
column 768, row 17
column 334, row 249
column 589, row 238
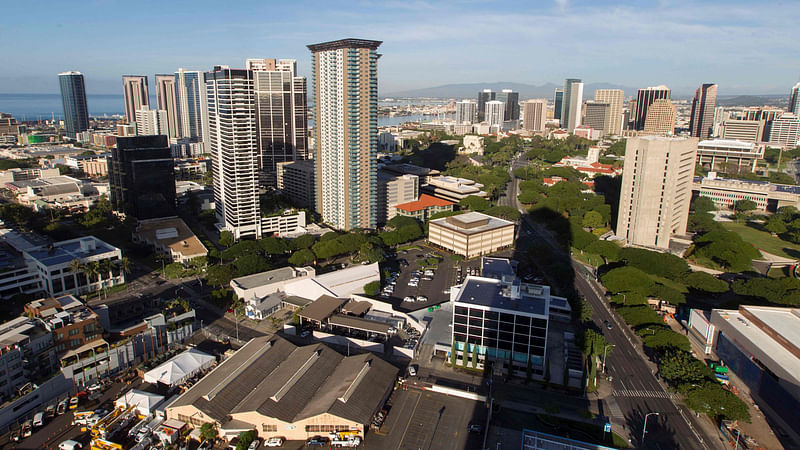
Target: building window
column 269, row 428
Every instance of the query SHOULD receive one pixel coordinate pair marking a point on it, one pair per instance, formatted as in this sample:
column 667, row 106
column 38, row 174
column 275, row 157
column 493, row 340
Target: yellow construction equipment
column 108, row 425
column 102, row 444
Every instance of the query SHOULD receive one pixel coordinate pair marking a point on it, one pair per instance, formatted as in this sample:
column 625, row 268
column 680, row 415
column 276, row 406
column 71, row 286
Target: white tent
column 180, row 367
column 145, row 402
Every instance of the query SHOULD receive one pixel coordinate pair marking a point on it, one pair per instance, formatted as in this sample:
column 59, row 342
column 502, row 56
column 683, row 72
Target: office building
column 571, row 104
column 794, row 100
column 170, row 237
column 701, row 121
column 660, row 118
column 656, row 189
column 73, row 99
column 534, row 115
column 136, row 95
column 191, row 105
column 720, row 115
column 558, row 102
column 296, row 180
column 785, row 130
column 597, row 116
column 496, row 317
column 615, row 99
column 725, row 192
column 151, row 122
column 393, row 190
column 141, row 176
column 471, row 234
column 423, row 208
column 484, row 96
column 511, row 99
column 281, row 389
column 9, row 126
column 281, row 115
column 495, row 112
column 346, row 114
column 27, row 354
column 232, row 139
column 645, row 98
column 729, row 156
column 466, row 112
column 166, row 100
column 742, row 130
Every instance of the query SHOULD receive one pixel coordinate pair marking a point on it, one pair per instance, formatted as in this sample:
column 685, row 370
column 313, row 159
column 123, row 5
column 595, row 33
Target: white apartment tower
column 466, row 112
column 345, row 92
column 495, row 112
column 656, row 189
column 233, row 143
column 151, row 122
column 166, row 101
column 615, row 99
column 135, row 94
column 534, row 115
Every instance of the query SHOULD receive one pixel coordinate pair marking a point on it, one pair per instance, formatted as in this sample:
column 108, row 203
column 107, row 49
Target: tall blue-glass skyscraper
column 73, row 97
column 189, row 100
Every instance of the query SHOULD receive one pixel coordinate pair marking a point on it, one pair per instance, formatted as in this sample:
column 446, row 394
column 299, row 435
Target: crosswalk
column 641, row 394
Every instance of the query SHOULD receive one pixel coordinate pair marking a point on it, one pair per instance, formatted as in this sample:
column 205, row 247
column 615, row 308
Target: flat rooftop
column 173, row 233
column 66, row 251
column 492, row 293
column 472, row 222
column 726, row 143
column 264, row 278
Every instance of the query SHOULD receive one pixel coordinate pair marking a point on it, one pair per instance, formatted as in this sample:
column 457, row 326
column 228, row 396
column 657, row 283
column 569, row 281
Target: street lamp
column 644, row 430
column 604, row 356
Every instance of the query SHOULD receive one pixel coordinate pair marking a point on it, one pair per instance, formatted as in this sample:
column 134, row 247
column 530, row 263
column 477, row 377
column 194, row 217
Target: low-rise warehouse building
column 171, row 237
column 279, row 389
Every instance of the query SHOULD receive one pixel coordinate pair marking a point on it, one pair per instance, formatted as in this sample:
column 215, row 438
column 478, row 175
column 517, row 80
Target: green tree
column 662, row 339
column 745, row 205
column 582, row 238
column 273, row 245
column 250, row 264
column 245, row 438
column 775, row 224
column 593, row 343
column 302, row 257
column 303, row 241
column 593, row 219
column 453, row 354
column 668, row 294
column 715, row 401
column 208, row 432
column 504, row 212
column 778, row 291
column 706, row 282
column 726, row 249
column 627, row 279
column 640, row 316
column 703, row 204
column 662, row 264
column 219, row 275
column 585, row 312
column 474, row 356
column 372, row 288
column 225, row 238
column 682, row 370
column 608, row 250
column 474, row 203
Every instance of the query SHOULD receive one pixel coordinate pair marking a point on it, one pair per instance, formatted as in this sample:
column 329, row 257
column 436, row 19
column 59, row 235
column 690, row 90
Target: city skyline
column 628, row 52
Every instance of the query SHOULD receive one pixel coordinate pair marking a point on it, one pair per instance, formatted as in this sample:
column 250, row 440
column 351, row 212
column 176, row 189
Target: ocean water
column 45, row 106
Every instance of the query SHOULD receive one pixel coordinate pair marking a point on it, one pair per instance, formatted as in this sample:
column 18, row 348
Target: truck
column 81, row 417
column 354, row 442
column 717, row 368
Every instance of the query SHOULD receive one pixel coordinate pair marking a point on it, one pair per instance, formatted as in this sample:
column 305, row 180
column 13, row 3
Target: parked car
column 317, row 441
column 15, row 436
column 50, row 411
column 409, row 299
column 305, row 334
column 205, row 445
column 255, row 444
column 73, row 402
column 273, row 442
column 422, row 298
column 608, row 325
column 69, row 444
column 412, row 370
column 38, row 419
column 475, row 428
column 62, row 407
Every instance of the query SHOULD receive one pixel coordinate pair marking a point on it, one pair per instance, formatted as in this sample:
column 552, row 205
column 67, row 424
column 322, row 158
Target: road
column 637, row 391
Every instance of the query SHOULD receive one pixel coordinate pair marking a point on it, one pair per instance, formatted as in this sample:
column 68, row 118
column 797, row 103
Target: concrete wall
column 387, row 307
column 457, row 393
column 404, row 352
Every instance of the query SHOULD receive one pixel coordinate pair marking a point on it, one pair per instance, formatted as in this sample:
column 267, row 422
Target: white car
column 273, row 442
column 409, row 299
column 255, row 444
column 412, row 371
column 422, row 298
column 69, row 444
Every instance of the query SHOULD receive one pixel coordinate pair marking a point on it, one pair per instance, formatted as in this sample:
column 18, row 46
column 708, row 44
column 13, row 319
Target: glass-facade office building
column 142, row 177
column 73, row 98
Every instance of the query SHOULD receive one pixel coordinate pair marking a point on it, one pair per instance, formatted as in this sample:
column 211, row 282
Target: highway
column 636, row 390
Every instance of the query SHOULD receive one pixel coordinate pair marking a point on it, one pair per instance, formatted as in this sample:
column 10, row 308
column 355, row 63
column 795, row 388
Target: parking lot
column 433, row 290
column 424, row 419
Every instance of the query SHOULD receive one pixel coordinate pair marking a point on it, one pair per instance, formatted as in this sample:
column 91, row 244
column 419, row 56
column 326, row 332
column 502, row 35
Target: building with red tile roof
column 424, row 207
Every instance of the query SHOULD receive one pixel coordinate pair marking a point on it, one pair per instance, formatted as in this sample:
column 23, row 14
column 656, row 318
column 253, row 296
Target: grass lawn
column 763, row 240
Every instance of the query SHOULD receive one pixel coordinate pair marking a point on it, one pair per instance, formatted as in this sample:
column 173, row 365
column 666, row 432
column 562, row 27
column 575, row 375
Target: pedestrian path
column 641, row 394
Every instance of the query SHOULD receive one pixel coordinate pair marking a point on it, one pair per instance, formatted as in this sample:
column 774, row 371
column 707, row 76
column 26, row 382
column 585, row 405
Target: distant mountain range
column 526, row 91
column 753, row 100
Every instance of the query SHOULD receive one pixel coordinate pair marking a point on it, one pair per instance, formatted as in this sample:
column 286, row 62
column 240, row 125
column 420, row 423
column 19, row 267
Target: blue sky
column 745, row 46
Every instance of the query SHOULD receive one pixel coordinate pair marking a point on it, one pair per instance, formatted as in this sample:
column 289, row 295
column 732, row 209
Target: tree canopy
column 706, row 282
column 666, row 265
column 727, row 249
column 627, row 279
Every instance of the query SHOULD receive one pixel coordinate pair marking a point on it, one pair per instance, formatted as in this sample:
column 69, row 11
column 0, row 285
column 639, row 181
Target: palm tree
column 125, row 265
column 105, row 267
column 92, row 270
column 76, row 267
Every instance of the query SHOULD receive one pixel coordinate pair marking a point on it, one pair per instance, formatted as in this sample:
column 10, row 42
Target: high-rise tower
column 571, row 105
column 794, row 100
column 73, row 98
column 165, row 101
column 345, row 92
column 511, row 99
column 484, row 96
column 701, row 122
column 645, row 98
column 190, row 101
column 558, row 103
column 466, row 112
column 136, row 95
column 281, row 115
column 615, row 99
column 534, row 115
